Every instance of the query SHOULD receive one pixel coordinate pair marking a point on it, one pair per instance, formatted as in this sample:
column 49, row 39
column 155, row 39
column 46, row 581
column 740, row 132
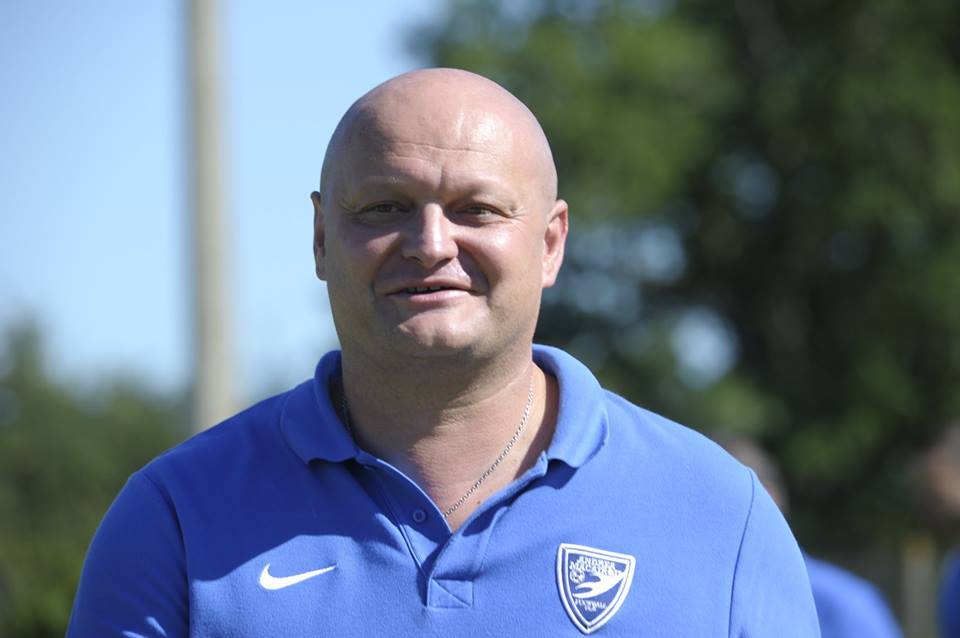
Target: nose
column 430, row 237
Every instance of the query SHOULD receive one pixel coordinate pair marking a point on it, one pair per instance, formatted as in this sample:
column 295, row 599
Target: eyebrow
column 487, row 190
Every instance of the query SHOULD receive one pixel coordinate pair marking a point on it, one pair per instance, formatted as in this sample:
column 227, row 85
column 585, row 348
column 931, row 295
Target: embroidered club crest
column 593, row 584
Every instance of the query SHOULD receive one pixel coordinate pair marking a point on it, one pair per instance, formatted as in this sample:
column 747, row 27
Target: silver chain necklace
column 490, row 470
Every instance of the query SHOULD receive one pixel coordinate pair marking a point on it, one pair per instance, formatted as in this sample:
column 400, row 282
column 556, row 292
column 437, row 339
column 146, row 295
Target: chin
column 432, row 343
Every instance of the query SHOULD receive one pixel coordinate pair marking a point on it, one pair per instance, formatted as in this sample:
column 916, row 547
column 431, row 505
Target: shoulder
column 949, row 610
column 136, row 569
column 284, row 426
column 651, row 461
column 667, row 436
column 244, row 455
column 832, row 579
column 637, row 445
column 238, row 437
column 848, row 604
column 673, row 449
column 837, row 586
column 689, row 499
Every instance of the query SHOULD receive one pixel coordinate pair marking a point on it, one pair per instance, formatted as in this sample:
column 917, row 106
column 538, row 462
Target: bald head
column 438, row 179
column 445, row 108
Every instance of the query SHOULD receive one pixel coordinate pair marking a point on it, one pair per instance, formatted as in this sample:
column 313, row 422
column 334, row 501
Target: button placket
column 408, row 506
column 450, row 581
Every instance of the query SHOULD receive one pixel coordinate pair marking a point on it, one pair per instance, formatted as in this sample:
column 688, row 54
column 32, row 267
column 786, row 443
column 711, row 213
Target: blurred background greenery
column 765, row 241
column 798, row 165
column 64, row 454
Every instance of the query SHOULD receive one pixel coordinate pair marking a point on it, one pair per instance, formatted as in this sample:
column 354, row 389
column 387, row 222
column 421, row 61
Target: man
column 848, row 606
column 440, row 475
column 937, row 481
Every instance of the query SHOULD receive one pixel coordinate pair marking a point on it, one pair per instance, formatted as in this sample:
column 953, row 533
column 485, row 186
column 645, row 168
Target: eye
column 382, row 213
column 385, row 208
column 479, row 211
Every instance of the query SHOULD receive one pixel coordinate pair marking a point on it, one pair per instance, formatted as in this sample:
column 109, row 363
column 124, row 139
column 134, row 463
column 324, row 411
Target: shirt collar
column 310, row 422
column 582, row 414
column 313, row 429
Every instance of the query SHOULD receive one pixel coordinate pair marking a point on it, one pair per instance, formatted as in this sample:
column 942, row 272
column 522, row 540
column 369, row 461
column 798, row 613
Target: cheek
column 358, row 259
column 511, row 257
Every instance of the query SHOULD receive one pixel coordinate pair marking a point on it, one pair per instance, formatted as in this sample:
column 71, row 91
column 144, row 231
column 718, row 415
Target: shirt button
column 419, row 516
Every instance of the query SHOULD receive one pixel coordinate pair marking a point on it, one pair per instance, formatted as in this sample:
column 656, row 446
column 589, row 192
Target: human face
column 437, row 239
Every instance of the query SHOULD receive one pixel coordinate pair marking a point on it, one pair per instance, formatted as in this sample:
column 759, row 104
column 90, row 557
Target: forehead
column 441, row 126
column 465, row 150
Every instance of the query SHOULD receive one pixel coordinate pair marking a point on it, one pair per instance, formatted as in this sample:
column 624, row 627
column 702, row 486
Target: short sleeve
column 133, row 582
column 771, row 592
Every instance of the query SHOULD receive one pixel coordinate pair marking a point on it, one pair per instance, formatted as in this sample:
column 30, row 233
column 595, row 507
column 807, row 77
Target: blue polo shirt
column 948, row 607
column 848, row 606
column 274, row 523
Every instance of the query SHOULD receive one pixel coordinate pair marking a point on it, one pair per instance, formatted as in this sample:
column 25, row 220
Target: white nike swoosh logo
column 268, row 581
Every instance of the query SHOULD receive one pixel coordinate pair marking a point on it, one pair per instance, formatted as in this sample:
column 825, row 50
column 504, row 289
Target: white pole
column 212, row 369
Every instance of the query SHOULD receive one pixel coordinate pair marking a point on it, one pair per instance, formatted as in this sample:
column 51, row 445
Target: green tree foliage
column 766, row 202
column 63, row 457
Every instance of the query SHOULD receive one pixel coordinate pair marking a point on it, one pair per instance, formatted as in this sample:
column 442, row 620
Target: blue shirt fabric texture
column 199, row 542
column 848, row 606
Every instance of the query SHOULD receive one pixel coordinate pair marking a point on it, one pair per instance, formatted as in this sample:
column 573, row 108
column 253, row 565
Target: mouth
column 430, row 294
column 424, row 290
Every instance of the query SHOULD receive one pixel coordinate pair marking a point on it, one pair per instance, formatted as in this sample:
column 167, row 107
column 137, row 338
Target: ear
column 318, row 236
column 554, row 241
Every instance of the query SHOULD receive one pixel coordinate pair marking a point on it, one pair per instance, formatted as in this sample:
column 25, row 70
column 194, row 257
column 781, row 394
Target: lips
column 419, row 290
column 425, row 297
column 427, row 287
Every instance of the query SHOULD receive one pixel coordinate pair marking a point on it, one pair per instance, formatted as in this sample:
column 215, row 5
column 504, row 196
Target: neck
column 445, row 423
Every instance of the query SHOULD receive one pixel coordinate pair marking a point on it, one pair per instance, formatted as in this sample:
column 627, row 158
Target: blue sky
column 93, row 226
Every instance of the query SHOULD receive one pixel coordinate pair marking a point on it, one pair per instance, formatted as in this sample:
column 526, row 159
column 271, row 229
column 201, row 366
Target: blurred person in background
column 848, row 606
column 939, row 474
column 442, row 475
